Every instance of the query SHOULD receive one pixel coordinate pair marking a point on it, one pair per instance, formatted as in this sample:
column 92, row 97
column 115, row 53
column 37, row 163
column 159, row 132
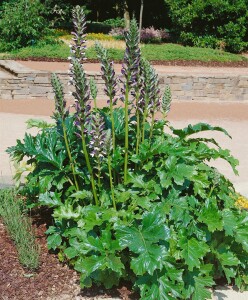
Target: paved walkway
column 64, row 66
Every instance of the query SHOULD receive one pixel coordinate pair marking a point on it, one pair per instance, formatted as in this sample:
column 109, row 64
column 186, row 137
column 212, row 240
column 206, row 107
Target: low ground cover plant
column 162, row 52
column 19, row 228
column 131, row 202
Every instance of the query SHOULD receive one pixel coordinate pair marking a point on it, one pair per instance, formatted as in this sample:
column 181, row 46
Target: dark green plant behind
column 211, row 23
column 129, row 201
column 22, row 23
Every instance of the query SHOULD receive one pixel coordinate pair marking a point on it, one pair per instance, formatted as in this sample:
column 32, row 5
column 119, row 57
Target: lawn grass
column 19, row 228
column 158, row 52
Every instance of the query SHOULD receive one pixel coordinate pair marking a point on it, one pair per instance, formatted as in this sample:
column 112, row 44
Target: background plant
column 22, row 23
column 131, row 201
column 209, row 23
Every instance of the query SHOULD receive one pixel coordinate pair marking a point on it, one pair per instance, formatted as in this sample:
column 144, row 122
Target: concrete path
column 90, row 67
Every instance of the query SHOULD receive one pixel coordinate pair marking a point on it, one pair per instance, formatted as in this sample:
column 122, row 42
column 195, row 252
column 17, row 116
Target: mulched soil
column 52, row 281
column 182, row 63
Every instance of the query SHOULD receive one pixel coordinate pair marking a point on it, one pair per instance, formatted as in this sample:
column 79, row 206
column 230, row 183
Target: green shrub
column 210, row 23
column 19, row 228
column 98, row 27
column 117, row 22
column 129, row 200
column 22, row 24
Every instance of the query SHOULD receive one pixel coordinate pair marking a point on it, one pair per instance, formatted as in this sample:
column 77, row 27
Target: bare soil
column 189, row 63
column 52, row 281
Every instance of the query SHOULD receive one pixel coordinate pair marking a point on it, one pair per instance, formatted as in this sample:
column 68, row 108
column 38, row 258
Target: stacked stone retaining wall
column 23, row 83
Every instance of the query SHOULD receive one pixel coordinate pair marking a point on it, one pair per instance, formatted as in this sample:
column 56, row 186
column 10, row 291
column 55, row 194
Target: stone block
column 199, row 93
column 5, row 95
column 13, row 80
column 42, row 80
column 40, row 90
column 221, row 80
column 177, row 79
column 20, row 97
column 161, row 80
column 183, row 98
column 24, row 91
column 31, row 78
column 243, row 83
column 175, row 86
column 187, row 86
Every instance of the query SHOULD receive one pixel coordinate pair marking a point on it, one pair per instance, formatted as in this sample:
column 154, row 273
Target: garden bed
column 176, row 62
column 53, row 280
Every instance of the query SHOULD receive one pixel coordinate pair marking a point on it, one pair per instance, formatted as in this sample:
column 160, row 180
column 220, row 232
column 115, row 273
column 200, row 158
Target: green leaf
column 202, row 284
column 229, row 221
column 241, row 236
column 193, row 251
column 164, row 286
column 228, row 259
column 212, row 218
column 71, row 252
column 67, row 211
column 149, row 261
column 38, row 123
column 191, row 129
column 142, row 240
column 53, row 241
column 139, row 238
column 88, row 265
column 50, row 199
column 82, row 195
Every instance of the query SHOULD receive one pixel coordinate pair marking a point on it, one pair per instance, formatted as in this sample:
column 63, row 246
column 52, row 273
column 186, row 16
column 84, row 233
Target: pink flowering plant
column 152, row 35
column 129, row 201
column 147, row 35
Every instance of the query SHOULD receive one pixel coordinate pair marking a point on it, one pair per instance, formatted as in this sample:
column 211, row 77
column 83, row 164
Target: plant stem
column 138, row 125
column 95, row 105
column 112, row 122
column 89, row 166
column 99, row 173
column 126, row 134
column 144, row 119
column 152, row 125
column 70, row 156
column 111, row 182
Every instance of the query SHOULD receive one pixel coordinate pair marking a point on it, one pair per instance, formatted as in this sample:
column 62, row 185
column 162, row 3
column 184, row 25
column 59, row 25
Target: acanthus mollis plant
column 130, row 201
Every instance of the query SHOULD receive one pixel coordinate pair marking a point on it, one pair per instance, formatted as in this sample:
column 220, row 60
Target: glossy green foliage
column 171, row 226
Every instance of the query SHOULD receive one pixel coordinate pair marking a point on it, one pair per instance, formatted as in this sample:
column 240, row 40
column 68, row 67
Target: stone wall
column 23, row 83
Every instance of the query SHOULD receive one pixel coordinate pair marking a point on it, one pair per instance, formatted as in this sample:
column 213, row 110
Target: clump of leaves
column 129, row 200
column 19, row 227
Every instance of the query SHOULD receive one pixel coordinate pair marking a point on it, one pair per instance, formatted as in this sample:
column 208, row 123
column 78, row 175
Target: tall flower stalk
column 82, row 106
column 61, row 112
column 108, row 148
column 108, row 75
column 130, row 70
column 93, row 91
column 150, row 95
column 82, row 90
column 166, row 101
column 78, row 46
column 97, row 143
